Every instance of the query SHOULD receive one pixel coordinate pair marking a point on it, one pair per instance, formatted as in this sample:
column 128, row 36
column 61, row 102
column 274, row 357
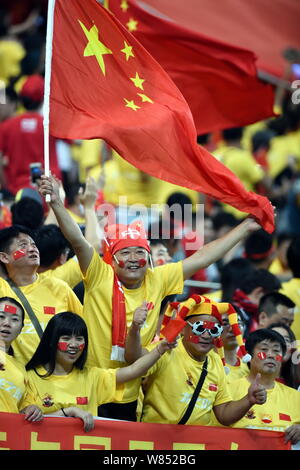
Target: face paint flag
column 104, row 84
column 19, row 254
column 10, row 308
column 62, row 345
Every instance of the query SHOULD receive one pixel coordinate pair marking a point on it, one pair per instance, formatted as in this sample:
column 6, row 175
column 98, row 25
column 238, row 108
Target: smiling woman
column 62, row 385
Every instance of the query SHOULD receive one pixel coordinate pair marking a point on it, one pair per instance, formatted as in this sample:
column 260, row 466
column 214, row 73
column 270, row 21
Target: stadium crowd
column 127, row 297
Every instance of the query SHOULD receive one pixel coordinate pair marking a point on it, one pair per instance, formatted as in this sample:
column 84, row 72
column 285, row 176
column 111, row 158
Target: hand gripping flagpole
column 48, row 59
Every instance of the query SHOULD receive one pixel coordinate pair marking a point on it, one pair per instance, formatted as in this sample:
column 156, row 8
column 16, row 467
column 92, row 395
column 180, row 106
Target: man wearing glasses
column 172, row 381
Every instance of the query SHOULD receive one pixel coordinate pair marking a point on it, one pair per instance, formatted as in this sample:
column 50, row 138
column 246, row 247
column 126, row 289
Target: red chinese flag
column 218, row 80
column 284, row 417
column 49, row 310
column 82, row 400
column 106, row 85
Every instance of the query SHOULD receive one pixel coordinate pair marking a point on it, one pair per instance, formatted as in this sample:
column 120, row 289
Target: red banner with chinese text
column 67, row 434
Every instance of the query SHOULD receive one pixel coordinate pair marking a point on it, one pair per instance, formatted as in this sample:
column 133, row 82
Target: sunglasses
column 199, row 327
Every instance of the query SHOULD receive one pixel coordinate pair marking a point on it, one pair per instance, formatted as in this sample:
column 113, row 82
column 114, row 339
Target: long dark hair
column 20, row 306
column 62, row 324
column 290, row 372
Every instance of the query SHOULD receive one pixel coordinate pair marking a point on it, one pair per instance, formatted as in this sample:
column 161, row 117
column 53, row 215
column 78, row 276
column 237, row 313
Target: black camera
column 35, row 171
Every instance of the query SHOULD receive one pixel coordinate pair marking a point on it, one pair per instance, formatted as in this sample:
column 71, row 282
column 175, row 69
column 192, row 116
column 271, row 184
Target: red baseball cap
column 33, row 88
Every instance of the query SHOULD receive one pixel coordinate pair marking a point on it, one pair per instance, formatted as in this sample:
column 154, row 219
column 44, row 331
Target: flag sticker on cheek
column 19, row 254
column 81, row 346
column 278, row 358
column 262, row 356
column 62, row 345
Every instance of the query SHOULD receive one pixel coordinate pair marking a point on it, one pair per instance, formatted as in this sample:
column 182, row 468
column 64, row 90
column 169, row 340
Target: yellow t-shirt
column 12, row 384
column 283, row 148
column 292, row 290
column 69, row 272
column 215, row 296
column 281, row 410
column 79, row 220
column 244, row 166
column 171, row 383
column 236, row 372
column 97, row 310
column 46, row 296
column 86, row 389
column 88, row 155
column 132, row 183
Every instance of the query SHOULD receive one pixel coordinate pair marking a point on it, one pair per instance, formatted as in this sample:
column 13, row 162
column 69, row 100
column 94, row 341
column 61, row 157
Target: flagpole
column 46, row 108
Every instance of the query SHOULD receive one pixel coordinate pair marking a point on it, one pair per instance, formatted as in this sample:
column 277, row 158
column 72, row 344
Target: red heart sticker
column 160, row 262
column 142, row 262
column 10, row 309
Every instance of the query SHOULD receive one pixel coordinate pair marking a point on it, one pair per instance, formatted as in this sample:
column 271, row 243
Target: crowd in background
column 259, row 275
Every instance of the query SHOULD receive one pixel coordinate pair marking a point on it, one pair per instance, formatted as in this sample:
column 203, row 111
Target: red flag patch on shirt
column 213, row 387
column 49, row 310
column 150, row 306
column 267, row 419
column 284, row 417
column 82, row 400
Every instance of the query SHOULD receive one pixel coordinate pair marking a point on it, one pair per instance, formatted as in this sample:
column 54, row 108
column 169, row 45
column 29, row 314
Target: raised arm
column 81, row 247
column 88, row 200
column 215, row 250
column 133, row 347
column 141, row 366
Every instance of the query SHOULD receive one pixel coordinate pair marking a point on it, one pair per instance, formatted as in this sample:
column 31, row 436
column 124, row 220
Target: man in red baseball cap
column 114, row 290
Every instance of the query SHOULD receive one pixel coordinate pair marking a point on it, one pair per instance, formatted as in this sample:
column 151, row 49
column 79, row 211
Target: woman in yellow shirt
column 12, row 373
column 61, row 384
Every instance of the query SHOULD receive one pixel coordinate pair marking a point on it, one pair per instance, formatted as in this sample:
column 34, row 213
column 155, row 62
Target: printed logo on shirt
column 267, row 419
column 47, row 401
column 213, row 387
column 29, row 125
column 284, row 417
column 201, row 403
column 82, row 400
column 49, row 310
column 11, row 388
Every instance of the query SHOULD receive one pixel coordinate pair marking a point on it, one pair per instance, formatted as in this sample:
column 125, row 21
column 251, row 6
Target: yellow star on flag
column 145, row 98
column 124, row 6
column 131, row 104
column 94, row 46
column 132, row 24
column 138, row 81
column 127, row 50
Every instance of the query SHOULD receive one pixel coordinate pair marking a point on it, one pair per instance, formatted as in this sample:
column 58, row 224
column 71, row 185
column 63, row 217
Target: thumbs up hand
column 257, row 394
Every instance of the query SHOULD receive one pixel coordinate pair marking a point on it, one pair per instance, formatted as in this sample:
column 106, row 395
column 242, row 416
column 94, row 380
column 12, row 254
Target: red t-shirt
column 22, row 143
